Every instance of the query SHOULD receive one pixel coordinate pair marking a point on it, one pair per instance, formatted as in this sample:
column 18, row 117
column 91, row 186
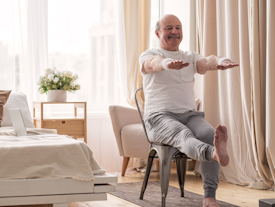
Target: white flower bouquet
column 57, row 80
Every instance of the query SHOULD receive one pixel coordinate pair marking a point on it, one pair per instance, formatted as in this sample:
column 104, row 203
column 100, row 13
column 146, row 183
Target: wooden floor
column 227, row 192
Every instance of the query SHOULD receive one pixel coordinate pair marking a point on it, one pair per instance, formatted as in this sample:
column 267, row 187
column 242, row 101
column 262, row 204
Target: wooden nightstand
column 74, row 126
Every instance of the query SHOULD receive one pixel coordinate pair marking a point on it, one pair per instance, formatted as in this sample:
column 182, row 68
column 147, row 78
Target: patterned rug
column 152, row 196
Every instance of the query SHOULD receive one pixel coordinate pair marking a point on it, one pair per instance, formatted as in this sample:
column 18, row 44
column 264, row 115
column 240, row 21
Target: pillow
column 4, row 95
column 17, row 100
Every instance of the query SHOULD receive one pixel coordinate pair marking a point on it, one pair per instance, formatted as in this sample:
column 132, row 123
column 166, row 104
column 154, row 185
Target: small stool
column 267, row 202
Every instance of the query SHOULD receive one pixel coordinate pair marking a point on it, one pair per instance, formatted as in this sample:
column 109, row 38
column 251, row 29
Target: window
column 9, row 62
column 81, row 36
column 82, row 39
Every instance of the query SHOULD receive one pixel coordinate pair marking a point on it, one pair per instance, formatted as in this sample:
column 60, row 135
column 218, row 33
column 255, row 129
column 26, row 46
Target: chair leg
column 181, row 171
column 147, row 172
column 157, row 164
column 165, row 158
column 124, row 165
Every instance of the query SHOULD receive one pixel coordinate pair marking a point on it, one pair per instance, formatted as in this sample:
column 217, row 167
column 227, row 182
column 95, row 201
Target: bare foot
column 220, row 142
column 210, row 202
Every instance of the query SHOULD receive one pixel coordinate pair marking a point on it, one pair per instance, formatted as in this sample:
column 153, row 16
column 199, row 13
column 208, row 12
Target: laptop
column 19, row 125
column 17, row 122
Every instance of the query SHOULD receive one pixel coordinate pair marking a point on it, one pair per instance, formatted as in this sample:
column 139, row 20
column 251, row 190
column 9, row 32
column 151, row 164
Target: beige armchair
column 129, row 133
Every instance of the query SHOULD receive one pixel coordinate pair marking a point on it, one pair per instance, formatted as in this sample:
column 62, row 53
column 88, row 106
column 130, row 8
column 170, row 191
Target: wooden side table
column 75, row 126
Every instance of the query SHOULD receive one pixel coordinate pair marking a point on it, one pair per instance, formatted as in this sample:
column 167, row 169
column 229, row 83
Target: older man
column 170, row 111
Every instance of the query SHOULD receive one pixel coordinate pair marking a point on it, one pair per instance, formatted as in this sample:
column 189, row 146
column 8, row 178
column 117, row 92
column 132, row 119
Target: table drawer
column 69, row 127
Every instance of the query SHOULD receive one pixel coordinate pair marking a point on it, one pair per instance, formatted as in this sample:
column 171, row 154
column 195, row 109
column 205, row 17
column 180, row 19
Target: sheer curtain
column 23, row 43
column 8, row 52
column 33, row 48
column 241, row 98
column 137, row 40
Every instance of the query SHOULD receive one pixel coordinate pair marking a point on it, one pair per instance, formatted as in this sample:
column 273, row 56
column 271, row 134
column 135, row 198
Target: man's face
column 170, row 33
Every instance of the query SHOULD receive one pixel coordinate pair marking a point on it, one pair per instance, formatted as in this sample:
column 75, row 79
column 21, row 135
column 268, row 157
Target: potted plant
column 56, row 84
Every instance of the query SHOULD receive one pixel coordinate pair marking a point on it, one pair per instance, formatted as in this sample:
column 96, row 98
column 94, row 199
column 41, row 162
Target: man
column 170, row 116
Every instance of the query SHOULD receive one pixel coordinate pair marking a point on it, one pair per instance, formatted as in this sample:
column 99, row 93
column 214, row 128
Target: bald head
column 169, row 32
column 165, row 17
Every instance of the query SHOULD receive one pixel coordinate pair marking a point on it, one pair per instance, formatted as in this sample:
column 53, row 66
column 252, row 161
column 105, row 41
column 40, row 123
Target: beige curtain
column 137, row 15
column 270, row 87
column 137, row 18
column 242, row 98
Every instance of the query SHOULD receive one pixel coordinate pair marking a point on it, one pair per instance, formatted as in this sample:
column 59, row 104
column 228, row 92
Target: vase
column 57, row 96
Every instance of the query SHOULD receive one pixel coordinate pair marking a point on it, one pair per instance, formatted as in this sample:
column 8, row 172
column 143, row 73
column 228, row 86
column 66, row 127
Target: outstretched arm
column 211, row 63
column 159, row 63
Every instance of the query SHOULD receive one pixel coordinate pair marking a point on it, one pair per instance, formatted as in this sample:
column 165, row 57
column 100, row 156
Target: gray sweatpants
column 193, row 136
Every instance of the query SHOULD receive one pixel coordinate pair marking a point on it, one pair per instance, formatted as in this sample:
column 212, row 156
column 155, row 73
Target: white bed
column 52, row 169
column 55, row 191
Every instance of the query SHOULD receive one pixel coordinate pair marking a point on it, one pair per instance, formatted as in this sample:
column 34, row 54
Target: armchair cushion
column 120, row 117
column 134, row 141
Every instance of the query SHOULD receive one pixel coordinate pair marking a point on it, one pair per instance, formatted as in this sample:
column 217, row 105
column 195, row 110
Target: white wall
column 102, row 141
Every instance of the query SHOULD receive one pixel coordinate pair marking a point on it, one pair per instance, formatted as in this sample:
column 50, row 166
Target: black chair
column 166, row 154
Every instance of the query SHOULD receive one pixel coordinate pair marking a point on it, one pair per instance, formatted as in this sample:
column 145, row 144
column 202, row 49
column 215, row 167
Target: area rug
column 152, row 196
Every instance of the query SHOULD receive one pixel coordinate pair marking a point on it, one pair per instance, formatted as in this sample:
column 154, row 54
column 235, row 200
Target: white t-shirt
column 170, row 90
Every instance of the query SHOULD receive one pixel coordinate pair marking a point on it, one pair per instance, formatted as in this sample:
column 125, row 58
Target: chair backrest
column 142, row 121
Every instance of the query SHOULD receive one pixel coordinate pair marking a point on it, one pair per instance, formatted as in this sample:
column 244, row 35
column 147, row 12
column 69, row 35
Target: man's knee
column 205, row 135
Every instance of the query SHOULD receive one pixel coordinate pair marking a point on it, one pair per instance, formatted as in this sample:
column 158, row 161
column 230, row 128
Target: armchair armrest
column 120, row 117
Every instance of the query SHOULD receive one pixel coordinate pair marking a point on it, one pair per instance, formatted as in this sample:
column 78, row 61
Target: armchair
column 129, row 133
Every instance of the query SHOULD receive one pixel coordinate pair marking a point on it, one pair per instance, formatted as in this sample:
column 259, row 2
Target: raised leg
column 181, row 171
column 147, row 172
column 124, row 165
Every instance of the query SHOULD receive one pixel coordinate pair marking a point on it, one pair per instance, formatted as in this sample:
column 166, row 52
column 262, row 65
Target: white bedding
column 47, row 157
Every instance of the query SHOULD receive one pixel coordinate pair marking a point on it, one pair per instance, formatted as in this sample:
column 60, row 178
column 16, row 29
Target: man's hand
column 210, row 63
column 226, row 64
column 176, row 64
